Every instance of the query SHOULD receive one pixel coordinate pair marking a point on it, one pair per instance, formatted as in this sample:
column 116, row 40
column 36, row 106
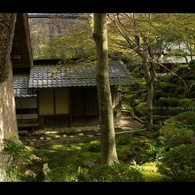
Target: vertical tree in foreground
column 8, row 123
column 108, row 145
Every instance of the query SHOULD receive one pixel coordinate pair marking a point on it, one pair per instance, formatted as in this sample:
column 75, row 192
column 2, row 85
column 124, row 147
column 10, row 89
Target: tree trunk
column 108, row 145
column 149, row 78
column 149, row 104
column 8, row 123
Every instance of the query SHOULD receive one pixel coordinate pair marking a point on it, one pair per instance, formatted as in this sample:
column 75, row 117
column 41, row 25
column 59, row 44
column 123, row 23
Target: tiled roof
column 51, row 75
column 21, row 82
column 47, row 76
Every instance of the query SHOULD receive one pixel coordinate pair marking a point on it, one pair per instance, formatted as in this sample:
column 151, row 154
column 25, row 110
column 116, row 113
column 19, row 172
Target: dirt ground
column 127, row 122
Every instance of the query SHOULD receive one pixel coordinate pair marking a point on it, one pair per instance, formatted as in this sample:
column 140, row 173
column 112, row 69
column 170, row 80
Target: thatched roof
column 21, row 54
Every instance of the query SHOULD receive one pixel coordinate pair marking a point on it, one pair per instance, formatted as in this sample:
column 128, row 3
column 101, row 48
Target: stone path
column 41, row 137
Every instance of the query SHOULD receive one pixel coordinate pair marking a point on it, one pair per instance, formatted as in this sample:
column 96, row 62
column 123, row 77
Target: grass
column 71, row 155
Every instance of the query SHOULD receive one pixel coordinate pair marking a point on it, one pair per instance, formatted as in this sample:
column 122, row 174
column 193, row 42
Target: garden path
column 126, row 124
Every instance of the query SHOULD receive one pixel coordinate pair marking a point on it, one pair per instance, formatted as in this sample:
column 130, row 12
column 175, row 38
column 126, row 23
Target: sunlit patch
column 67, row 147
column 150, row 171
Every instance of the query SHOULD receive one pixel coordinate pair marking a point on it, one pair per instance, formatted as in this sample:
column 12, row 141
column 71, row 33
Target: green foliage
column 192, row 65
column 181, row 136
column 167, row 128
column 94, row 146
column 185, row 103
column 129, row 58
column 2, row 16
column 154, row 152
column 163, row 78
column 123, row 139
column 15, row 155
column 173, row 102
column 67, row 174
column 183, row 118
column 158, row 94
column 165, row 101
column 178, row 163
column 179, row 91
column 126, row 153
column 164, row 85
column 172, row 111
column 78, row 44
column 181, row 72
column 99, row 173
column 140, row 109
column 114, row 173
column 15, row 148
column 188, row 117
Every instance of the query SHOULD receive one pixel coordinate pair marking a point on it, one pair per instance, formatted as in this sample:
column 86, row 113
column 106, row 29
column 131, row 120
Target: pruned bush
column 186, row 118
column 164, row 85
column 94, row 146
column 178, row 164
column 192, row 65
column 158, row 94
column 181, row 136
column 185, row 103
column 172, row 111
column 165, row 101
column 140, row 109
column 114, row 173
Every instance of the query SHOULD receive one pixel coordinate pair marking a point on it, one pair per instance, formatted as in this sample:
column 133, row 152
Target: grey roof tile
column 43, row 76
column 20, row 82
column 48, row 76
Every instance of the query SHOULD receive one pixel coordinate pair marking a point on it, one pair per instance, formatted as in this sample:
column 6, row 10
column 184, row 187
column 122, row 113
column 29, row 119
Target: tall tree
column 136, row 30
column 8, row 124
column 108, row 145
column 147, row 34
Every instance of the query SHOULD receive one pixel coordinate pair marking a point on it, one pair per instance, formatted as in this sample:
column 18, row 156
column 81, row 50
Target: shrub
column 140, row 109
column 114, row 173
column 169, row 125
column 181, row 136
column 164, row 101
column 173, row 101
column 184, row 118
column 192, row 65
column 164, row 85
column 178, row 163
column 154, row 152
column 172, row 111
column 187, row 117
column 66, row 174
column 94, row 146
column 185, row 102
column 14, row 155
column 158, row 94
column 123, row 139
